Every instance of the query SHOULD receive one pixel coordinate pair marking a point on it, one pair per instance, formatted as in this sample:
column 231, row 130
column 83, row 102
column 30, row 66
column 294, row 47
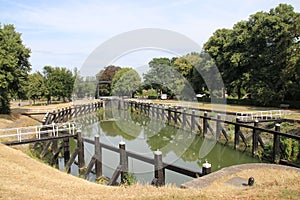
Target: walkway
column 205, row 181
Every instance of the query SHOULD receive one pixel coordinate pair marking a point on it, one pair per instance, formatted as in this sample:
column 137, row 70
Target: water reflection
column 144, row 135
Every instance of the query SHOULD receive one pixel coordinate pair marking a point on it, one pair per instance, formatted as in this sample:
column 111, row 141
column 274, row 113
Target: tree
column 14, row 66
column 36, row 86
column 260, row 55
column 106, row 76
column 59, row 83
column 125, row 82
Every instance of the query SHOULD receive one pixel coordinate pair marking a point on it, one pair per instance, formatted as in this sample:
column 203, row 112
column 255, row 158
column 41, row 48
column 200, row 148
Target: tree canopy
column 260, row 56
column 14, row 66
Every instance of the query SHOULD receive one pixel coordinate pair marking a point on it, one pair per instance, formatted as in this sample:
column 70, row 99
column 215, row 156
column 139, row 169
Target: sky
column 65, row 33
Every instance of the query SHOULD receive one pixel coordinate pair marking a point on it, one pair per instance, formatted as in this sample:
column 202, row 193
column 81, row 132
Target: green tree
column 260, row 55
column 14, row 66
column 36, row 86
column 125, row 82
column 59, row 83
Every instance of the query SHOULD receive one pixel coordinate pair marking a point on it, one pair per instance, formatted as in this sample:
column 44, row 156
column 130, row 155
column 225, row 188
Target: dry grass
column 22, row 177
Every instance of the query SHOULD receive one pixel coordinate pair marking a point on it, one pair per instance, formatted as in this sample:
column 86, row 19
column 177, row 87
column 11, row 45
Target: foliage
column 291, row 149
column 129, row 179
column 36, row 86
column 261, row 55
column 84, row 86
column 59, row 83
column 14, row 66
column 106, row 75
column 125, row 82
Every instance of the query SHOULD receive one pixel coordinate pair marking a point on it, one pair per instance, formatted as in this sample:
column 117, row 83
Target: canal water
column 143, row 136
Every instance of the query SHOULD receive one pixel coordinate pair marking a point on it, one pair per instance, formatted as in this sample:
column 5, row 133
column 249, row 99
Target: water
column 144, row 136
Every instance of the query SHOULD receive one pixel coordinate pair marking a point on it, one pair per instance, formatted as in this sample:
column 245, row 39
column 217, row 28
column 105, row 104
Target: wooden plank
column 89, row 168
column 116, row 174
column 71, row 160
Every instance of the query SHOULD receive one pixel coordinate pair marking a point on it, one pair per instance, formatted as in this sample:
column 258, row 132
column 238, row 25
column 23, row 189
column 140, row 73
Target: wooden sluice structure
column 243, row 134
column 195, row 121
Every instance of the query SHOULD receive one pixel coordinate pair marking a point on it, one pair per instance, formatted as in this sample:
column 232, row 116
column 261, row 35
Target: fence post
column 175, row 115
column 255, row 139
column 193, row 121
column 123, row 161
column 236, row 134
column 205, row 124
column 66, row 150
column 80, row 146
column 218, row 127
column 169, row 115
column 183, row 118
column 159, row 171
column 98, row 154
column 163, row 113
column 276, row 145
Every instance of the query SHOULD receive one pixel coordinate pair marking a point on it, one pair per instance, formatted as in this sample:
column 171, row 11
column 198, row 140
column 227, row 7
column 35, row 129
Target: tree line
column 258, row 58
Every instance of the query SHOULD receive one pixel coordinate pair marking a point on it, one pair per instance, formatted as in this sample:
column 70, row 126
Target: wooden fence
column 243, row 135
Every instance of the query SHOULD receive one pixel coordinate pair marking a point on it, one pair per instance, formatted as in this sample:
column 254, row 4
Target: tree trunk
column 4, row 106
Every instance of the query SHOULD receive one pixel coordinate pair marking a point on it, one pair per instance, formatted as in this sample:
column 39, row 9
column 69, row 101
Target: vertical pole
column 183, row 117
column 236, row 134
column 169, row 115
column 205, row 124
column 98, row 154
column 123, row 161
column 193, row 121
column 66, row 150
column 119, row 104
column 159, row 171
column 276, row 145
column 218, row 127
column 103, row 106
column 157, row 111
column 80, row 146
column 175, row 116
column 255, row 139
column 163, row 113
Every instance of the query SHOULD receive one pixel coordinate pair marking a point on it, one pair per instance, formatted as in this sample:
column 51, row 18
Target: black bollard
column 251, row 181
column 206, row 168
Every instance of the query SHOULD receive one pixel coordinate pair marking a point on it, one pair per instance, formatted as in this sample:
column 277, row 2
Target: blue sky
column 64, row 33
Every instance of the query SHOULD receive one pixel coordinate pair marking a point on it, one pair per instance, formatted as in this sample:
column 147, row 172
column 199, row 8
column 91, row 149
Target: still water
column 143, row 135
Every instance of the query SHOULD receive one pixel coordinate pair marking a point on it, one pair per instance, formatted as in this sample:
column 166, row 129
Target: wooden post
column 205, row 124
column 193, row 121
column 103, row 106
column 163, row 113
column 98, row 155
column 80, row 146
column 183, row 118
column 175, row 116
column 119, row 104
column 152, row 115
column 236, row 134
column 169, row 115
column 255, row 139
column 276, row 145
column 123, row 161
column 66, row 150
column 157, row 111
column 218, row 127
column 159, row 171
